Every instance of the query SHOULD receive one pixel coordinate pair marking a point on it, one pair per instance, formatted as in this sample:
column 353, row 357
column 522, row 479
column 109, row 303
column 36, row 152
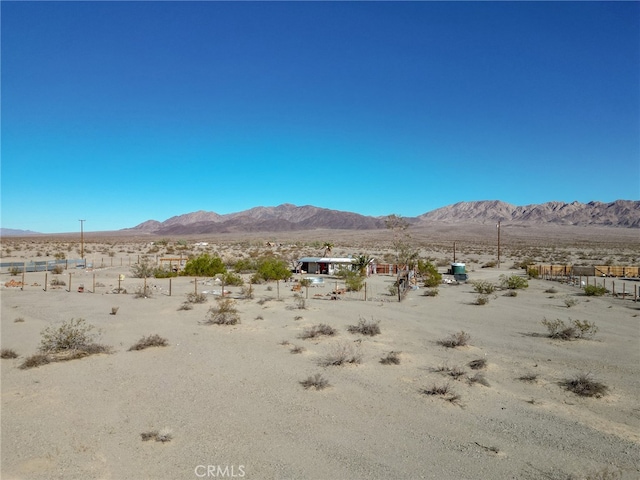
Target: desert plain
column 229, row 399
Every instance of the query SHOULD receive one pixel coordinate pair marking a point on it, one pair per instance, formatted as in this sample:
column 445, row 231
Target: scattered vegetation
column 318, row 330
column 316, row 381
column 443, row 391
column 459, row 339
column 365, row 327
column 150, row 341
column 528, row 377
column 340, row 354
column 224, row 313
column 391, row 358
column 573, row 330
column 584, row 385
column 35, row 361
column 163, row 436
column 196, row 298
column 57, row 282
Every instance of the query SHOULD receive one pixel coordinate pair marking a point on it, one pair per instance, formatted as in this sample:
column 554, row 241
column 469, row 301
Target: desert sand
column 231, row 396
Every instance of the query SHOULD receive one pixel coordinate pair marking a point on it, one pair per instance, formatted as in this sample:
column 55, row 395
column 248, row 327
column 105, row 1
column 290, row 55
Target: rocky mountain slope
column 287, row 217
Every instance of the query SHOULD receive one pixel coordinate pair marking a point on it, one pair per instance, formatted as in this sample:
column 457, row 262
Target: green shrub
column 432, row 278
column 164, row 273
column 595, row 290
column 233, row 279
column 532, row 272
column 354, row 282
column 570, row 331
column 513, row 282
column 143, row 269
column 483, row 286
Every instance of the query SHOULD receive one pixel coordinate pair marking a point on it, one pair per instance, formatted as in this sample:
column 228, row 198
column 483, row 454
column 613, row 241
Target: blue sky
column 121, row 112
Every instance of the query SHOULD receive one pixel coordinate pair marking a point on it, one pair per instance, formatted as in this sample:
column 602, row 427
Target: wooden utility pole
column 498, row 243
column 82, row 238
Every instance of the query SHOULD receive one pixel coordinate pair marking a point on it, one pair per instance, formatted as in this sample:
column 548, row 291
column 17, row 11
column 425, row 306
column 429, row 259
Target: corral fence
column 41, row 265
column 555, row 271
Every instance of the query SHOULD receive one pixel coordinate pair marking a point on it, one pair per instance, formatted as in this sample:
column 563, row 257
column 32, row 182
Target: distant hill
column 287, row 217
column 11, row 232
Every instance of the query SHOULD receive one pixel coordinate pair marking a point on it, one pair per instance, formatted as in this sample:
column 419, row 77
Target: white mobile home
column 323, row 265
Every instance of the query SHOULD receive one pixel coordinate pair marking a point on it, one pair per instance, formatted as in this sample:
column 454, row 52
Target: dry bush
column 481, row 299
column 18, row 320
column 296, row 349
column 143, row 292
column 56, row 282
column 511, row 293
column 528, row 377
column 8, row 353
column 570, row 302
column 225, row 313
column 584, row 385
column 162, row 436
column 186, row 306
column 196, row 298
column 575, row 329
column 318, row 330
column 74, row 334
column 316, row 381
column 114, row 310
column 35, row 361
column 551, row 290
column 483, row 287
column 341, row 354
column 459, row 339
column 365, row 327
column 477, row 364
column 391, row 358
column 431, row 292
column 443, row 391
column 154, row 340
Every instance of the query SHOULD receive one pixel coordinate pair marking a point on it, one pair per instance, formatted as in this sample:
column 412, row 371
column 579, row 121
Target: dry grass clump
column 477, row 364
column 316, row 381
column 551, row 290
column 529, row 377
column 73, row 335
column 443, row 391
column 295, row 349
column 114, row 310
column 196, row 298
column 391, row 358
column 8, row 353
column 225, row 313
column 575, row 329
column 341, row 354
column 18, row 320
column 584, row 385
column 431, row 292
column 478, row 378
column 318, row 330
column 459, row 339
column 143, row 292
column 154, row 340
column 56, row 282
column 185, row 306
column 163, row 436
column 365, row 327
column 570, row 302
column 481, row 300
column 35, row 361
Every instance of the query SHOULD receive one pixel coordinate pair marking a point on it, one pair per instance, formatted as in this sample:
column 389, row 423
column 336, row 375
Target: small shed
column 324, row 265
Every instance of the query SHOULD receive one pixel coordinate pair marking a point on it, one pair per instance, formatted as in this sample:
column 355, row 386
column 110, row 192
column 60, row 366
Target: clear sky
column 121, row 112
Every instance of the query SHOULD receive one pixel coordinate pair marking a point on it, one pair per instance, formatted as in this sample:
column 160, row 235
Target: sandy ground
column 232, row 398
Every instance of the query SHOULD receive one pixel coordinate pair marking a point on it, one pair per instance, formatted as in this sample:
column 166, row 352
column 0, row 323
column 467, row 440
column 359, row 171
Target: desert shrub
column 533, row 272
column 164, row 273
column 18, row 320
column 224, row 313
column 584, row 385
column 74, row 334
column 459, row 339
column 595, row 290
column 8, row 353
column 456, row 372
column 431, row 292
column 150, row 341
column 477, row 364
column 393, row 290
column 59, row 256
column 143, row 269
column 14, row 271
column 57, row 270
column 300, row 302
column 551, row 290
column 341, row 354
column 35, row 361
column 271, row 268
column 443, row 391
column 489, row 264
column 569, row 331
column 570, row 302
column 316, row 381
column 296, row 349
column 56, row 282
column 164, row 435
column 511, row 293
column 391, row 358
column 318, row 330
column 513, row 282
column 193, row 297
column 528, row 377
column 354, row 282
column 143, row 291
column 246, row 292
column 432, row 278
column 365, row 327
column 205, row 266
column 114, row 310
column 481, row 299
column 185, row 306
column 245, row 265
column 233, row 279
column 483, row 287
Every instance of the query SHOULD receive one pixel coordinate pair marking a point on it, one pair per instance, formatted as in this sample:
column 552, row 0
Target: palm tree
column 328, row 246
column 361, row 262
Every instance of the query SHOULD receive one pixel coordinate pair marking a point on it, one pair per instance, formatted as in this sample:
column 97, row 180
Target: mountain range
column 287, row 217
